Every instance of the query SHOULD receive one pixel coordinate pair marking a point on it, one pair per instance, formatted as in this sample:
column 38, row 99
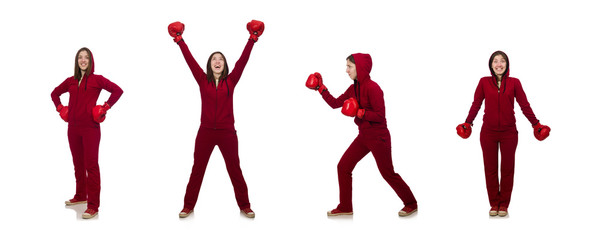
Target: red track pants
column 226, row 139
column 379, row 143
column 85, row 143
column 500, row 192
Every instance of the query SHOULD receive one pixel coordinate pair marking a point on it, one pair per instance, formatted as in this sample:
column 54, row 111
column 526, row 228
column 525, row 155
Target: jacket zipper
column 499, row 105
column 216, row 103
column 76, row 101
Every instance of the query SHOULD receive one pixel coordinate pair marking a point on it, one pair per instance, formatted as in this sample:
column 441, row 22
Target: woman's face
column 498, row 65
column 351, row 70
column 83, row 60
column 217, row 63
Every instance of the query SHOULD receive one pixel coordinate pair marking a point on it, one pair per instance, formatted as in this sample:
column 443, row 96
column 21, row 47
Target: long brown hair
column 210, row 73
column 90, row 66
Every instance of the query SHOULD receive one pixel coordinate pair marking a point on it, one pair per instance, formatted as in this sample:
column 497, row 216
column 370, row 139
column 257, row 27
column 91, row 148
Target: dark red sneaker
column 185, row 212
column 502, row 211
column 89, row 213
column 74, row 202
column 493, row 211
column 407, row 211
column 337, row 212
column 248, row 212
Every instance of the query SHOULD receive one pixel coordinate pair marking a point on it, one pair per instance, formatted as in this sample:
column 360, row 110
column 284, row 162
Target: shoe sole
column 185, row 215
column 249, row 215
column 68, row 203
column 339, row 214
column 405, row 214
column 89, row 216
column 502, row 214
column 492, row 213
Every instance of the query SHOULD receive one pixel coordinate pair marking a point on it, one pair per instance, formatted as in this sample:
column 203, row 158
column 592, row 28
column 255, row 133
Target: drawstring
column 357, row 92
column 503, row 81
column 224, row 82
column 85, row 81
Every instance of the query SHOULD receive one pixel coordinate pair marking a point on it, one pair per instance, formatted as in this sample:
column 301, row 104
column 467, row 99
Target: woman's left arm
column 377, row 111
column 115, row 90
column 523, row 102
column 235, row 74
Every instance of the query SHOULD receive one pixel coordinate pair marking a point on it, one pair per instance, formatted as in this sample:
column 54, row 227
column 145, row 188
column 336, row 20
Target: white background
column 427, row 57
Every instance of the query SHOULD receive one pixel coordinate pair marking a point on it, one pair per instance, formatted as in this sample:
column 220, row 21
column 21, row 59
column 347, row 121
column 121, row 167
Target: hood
column 363, row 66
column 507, row 65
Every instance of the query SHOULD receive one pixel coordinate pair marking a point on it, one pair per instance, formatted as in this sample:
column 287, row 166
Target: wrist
column 253, row 37
column 360, row 113
column 106, row 106
column 322, row 88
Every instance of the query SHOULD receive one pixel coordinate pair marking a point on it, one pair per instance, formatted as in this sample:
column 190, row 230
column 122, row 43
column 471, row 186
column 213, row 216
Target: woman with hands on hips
column 84, row 118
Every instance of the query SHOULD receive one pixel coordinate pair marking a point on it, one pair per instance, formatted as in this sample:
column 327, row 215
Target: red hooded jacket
column 83, row 97
column 499, row 102
column 367, row 92
column 217, row 102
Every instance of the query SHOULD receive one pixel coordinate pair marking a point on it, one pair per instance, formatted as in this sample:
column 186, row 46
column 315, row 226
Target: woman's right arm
column 62, row 88
column 479, row 96
column 196, row 70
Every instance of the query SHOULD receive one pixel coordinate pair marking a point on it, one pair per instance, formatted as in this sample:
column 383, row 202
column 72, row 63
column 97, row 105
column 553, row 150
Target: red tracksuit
column 84, row 132
column 499, row 131
column 373, row 136
column 216, row 128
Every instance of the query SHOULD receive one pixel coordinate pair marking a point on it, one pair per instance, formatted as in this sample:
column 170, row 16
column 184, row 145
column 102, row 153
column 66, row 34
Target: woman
column 364, row 101
column 84, row 119
column 499, row 131
column 217, row 121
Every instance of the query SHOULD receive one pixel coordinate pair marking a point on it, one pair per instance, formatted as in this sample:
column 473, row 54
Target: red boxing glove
column 315, row 82
column 464, row 130
column 541, row 131
column 64, row 112
column 99, row 112
column 176, row 30
column 350, row 107
column 255, row 28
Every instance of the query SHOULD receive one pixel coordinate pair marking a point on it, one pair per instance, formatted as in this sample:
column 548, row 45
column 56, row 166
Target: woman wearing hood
column 217, row 121
column 364, row 101
column 84, row 119
column 498, row 132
